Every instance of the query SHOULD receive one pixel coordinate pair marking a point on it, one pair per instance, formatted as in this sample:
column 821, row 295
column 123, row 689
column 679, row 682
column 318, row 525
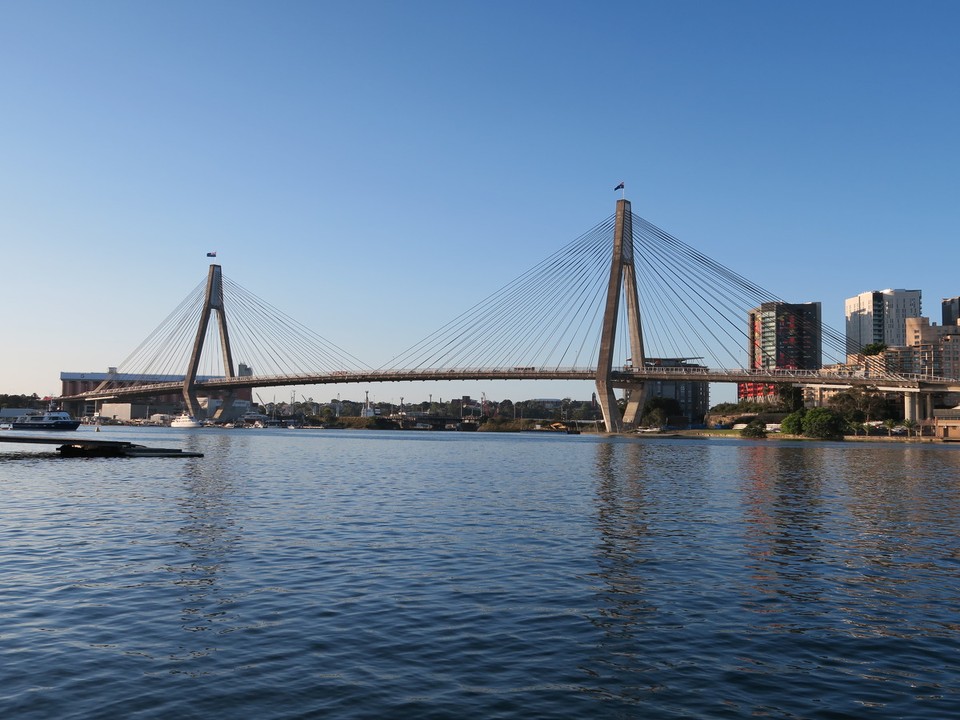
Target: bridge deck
column 621, row 378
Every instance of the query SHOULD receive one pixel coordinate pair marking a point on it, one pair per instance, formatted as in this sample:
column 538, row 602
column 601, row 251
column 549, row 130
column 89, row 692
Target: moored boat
column 185, row 421
column 50, row 420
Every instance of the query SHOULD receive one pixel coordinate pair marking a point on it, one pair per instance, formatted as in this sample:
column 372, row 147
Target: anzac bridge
column 574, row 316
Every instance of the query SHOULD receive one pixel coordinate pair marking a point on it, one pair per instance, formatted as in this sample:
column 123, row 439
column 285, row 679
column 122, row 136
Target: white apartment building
column 879, row 316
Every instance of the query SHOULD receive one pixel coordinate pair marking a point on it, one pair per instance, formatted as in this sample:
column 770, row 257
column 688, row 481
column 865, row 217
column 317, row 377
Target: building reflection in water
column 743, row 561
column 847, row 537
column 902, row 506
column 781, row 489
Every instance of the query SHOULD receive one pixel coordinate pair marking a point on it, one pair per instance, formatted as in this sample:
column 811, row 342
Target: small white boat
column 185, row 421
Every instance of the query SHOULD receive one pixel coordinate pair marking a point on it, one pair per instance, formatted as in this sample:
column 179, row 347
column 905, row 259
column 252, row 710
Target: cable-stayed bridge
column 574, row 316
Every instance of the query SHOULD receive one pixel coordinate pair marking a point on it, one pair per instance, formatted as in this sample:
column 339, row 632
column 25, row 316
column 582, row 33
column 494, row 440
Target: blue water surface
column 360, row 574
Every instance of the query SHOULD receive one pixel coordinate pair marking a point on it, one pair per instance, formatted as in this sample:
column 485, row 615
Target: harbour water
column 357, row 574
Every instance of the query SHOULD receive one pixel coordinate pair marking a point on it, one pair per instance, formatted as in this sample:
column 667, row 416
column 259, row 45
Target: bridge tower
column 213, row 302
column 622, row 278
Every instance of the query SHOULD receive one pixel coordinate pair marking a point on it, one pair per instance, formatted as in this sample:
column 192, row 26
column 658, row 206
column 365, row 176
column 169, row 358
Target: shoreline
column 735, row 435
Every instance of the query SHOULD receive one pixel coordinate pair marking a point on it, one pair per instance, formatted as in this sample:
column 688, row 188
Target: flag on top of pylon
column 619, row 187
column 212, row 254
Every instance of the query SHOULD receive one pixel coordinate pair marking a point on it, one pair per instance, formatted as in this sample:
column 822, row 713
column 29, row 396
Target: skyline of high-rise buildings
column 788, row 336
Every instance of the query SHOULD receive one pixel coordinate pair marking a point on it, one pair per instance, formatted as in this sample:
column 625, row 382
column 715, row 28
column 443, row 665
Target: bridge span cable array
column 276, row 344
column 261, row 337
column 709, row 301
column 550, row 317
column 545, row 318
column 165, row 352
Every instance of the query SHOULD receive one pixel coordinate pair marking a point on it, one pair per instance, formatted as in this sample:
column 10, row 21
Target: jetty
column 98, row 448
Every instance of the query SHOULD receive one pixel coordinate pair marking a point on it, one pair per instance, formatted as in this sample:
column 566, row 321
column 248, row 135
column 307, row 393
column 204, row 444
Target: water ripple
column 303, row 574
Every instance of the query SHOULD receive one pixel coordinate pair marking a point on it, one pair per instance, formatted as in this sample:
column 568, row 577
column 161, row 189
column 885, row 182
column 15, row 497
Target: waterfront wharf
column 98, row 448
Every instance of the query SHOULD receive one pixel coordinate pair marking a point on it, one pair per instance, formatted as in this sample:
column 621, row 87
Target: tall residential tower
column 785, row 336
column 950, row 310
column 879, row 316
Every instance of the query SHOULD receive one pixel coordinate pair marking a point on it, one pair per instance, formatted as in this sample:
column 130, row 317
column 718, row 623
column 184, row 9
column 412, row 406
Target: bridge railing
column 625, row 376
column 778, row 374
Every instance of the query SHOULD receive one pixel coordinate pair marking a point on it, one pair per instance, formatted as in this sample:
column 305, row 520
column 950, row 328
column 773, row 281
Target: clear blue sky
column 332, row 153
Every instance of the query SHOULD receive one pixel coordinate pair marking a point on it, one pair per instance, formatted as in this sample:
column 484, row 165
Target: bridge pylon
column 622, row 278
column 213, row 302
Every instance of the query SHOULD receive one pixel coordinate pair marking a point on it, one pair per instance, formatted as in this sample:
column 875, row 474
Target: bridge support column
column 226, row 405
column 622, row 278
column 213, row 302
column 635, row 396
column 910, row 406
column 917, row 406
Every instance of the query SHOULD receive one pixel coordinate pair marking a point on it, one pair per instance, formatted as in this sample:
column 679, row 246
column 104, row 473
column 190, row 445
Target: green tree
column 874, row 348
column 823, row 424
column 349, row 408
column 531, row 409
column 582, row 411
column 755, row 429
column 20, row 401
column 889, row 424
column 724, row 408
column 858, row 405
column 792, row 424
column 744, row 406
column 657, row 411
column 789, row 397
column 911, row 426
column 654, row 418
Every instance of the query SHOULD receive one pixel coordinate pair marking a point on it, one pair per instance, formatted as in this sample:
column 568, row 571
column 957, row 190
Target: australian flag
column 213, row 254
column 619, row 187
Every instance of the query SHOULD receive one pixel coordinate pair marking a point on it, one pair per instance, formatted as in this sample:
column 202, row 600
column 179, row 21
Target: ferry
column 50, row 420
column 185, row 421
